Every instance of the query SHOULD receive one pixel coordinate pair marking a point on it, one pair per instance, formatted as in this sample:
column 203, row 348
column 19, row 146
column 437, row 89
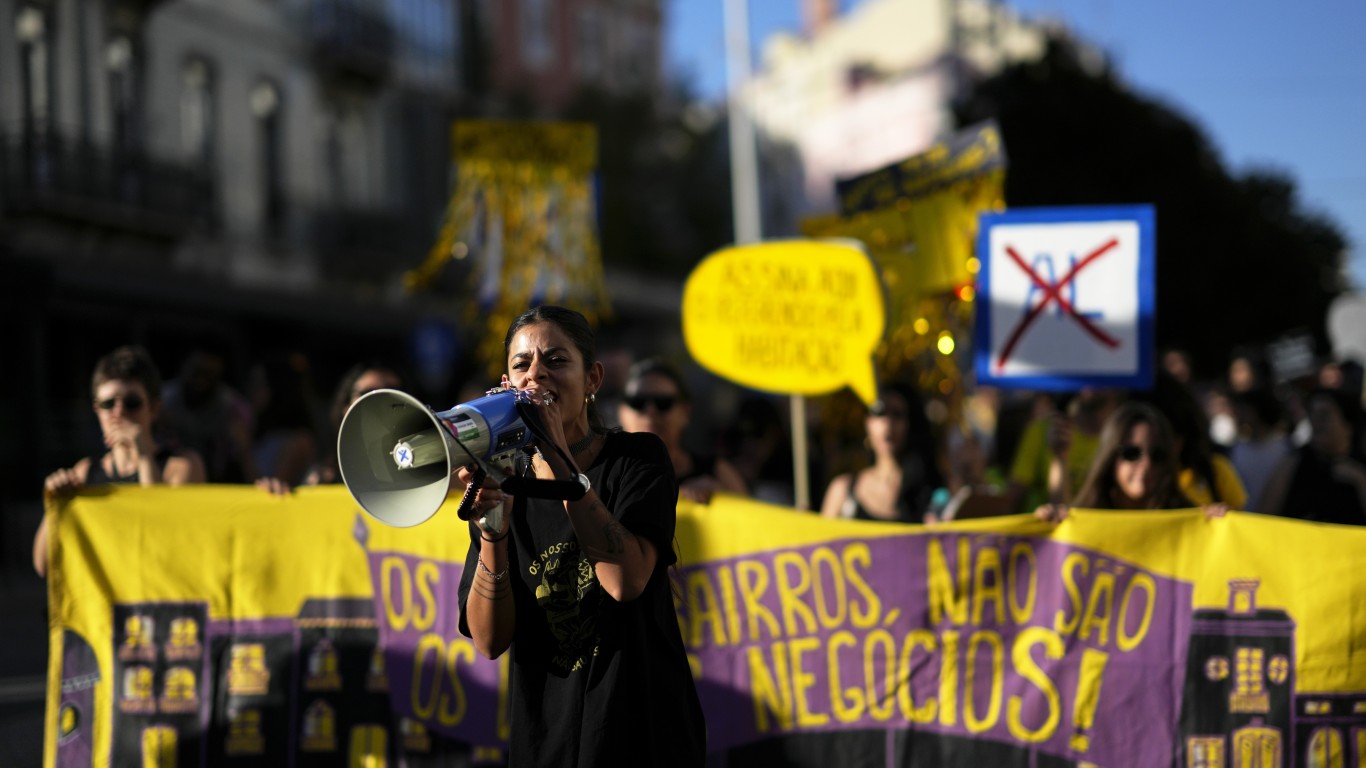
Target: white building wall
column 803, row 95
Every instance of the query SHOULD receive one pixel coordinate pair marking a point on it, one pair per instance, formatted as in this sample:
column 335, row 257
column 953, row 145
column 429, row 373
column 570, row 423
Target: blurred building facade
column 262, row 171
column 547, row 50
column 861, row 90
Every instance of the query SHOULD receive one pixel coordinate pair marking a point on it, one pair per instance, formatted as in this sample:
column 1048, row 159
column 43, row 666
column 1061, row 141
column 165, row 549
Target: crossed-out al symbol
column 1053, row 292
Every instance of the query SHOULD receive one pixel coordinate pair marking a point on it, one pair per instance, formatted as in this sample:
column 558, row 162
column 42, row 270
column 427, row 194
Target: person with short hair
column 126, row 389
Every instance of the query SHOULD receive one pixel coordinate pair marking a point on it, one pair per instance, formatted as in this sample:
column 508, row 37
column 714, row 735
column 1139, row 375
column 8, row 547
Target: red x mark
column 1053, row 292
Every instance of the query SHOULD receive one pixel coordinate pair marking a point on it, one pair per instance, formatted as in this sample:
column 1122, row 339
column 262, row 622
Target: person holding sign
column 657, row 401
column 126, row 387
column 904, row 473
column 579, row 591
column 1136, row 467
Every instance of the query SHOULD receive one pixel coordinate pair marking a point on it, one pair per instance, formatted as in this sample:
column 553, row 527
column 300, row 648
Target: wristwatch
column 583, row 480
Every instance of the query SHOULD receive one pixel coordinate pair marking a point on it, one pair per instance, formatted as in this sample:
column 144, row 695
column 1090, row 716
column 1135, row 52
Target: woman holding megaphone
column 578, row 590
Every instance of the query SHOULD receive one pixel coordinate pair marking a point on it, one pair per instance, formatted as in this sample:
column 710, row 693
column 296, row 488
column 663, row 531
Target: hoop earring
column 592, row 397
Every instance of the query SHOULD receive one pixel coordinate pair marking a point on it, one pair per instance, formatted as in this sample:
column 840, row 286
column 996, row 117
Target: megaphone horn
column 397, row 456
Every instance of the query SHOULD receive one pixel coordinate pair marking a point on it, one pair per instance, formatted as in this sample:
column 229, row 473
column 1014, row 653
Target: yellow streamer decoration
column 523, row 214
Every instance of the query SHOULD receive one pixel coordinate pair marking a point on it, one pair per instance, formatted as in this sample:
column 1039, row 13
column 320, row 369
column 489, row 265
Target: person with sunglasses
column 1136, row 467
column 658, row 402
column 127, row 391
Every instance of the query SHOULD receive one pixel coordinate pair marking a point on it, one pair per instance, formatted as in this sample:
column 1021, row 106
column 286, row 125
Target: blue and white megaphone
column 397, row 456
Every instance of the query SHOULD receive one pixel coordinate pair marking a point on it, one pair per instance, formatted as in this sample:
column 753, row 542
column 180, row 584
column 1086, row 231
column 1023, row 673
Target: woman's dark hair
column 1100, row 490
column 1350, row 410
column 1188, row 422
column 654, row 366
column 341, row 396
column 578, row 330
column 1262, row 403
column 921, row 473
column 130, row 363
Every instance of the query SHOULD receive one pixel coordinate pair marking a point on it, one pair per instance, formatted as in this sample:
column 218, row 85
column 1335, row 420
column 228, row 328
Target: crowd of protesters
column 1246, row 441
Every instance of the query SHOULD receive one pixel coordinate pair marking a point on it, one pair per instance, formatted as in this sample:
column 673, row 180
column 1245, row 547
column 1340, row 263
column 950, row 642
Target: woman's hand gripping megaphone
column 490, row 503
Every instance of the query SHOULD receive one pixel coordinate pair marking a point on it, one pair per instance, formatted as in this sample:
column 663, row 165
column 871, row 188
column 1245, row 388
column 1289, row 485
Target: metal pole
column 744, row 184
column 744, row 172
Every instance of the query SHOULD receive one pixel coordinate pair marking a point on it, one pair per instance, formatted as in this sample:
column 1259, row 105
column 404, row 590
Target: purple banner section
column 435, row 676
column 1023, row 641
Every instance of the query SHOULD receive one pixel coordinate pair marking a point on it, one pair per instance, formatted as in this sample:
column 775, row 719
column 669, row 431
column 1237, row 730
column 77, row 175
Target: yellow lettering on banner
column 925, row 712
column 703, row 609
column 753, row 579
column 453, row 702
column 427, row 645
column 1088, row 697
column 770, row 690
column 803, row 680
column 789, row 594
column 1063, row 625
column 390, row 565
column 943, row 596
column 880, row 707
column 1022, row 613
column 860, row 555
column 1127, row 642
column 948, row 679
column 728, row 599
column 846, row 702
column 971, row 720
column 1022, row 658
column 830, row 619
column 984, row 589
column 427, row 575
column 1099, row 608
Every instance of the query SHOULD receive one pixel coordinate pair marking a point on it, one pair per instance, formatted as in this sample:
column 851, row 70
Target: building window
column 538, row 32
column 344, row 156
column 121, row 64
column 266, row 109
column 590, row 46
column 35, row 62
column 197, row 113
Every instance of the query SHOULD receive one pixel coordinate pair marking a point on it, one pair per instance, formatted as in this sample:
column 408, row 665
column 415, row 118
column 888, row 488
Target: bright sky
column 1273, row 83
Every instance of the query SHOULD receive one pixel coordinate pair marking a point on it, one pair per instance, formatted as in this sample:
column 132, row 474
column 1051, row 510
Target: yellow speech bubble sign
column 797, row 317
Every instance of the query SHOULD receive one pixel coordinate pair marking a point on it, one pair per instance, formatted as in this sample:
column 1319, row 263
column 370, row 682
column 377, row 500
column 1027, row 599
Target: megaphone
column 397, row 456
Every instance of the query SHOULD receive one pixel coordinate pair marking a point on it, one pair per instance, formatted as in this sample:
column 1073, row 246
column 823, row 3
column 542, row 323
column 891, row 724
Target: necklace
column 584, row 443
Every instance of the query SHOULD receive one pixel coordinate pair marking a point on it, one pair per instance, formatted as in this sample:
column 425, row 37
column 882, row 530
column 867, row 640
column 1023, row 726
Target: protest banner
column 220, row 626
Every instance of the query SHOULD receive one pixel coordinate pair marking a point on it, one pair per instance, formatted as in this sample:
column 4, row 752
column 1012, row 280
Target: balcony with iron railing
column 46, row 173
column 352, row 40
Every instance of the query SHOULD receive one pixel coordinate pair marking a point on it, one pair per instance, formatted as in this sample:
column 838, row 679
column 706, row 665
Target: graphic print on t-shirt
column 567, row 584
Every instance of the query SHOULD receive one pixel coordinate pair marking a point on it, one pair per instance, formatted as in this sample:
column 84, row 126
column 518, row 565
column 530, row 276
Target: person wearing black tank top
column 127, row 391
column 905, row 471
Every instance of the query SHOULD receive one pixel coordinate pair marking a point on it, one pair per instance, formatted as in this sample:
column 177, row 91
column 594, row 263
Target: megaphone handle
column 466, row 507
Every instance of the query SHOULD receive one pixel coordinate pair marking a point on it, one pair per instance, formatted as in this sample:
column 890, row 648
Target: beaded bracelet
column 497, row 577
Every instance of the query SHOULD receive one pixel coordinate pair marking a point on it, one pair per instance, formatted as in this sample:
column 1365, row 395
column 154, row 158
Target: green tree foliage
column 1238, row 260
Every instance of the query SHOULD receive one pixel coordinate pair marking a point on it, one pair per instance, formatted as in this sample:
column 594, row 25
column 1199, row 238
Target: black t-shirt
column 595, row 682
